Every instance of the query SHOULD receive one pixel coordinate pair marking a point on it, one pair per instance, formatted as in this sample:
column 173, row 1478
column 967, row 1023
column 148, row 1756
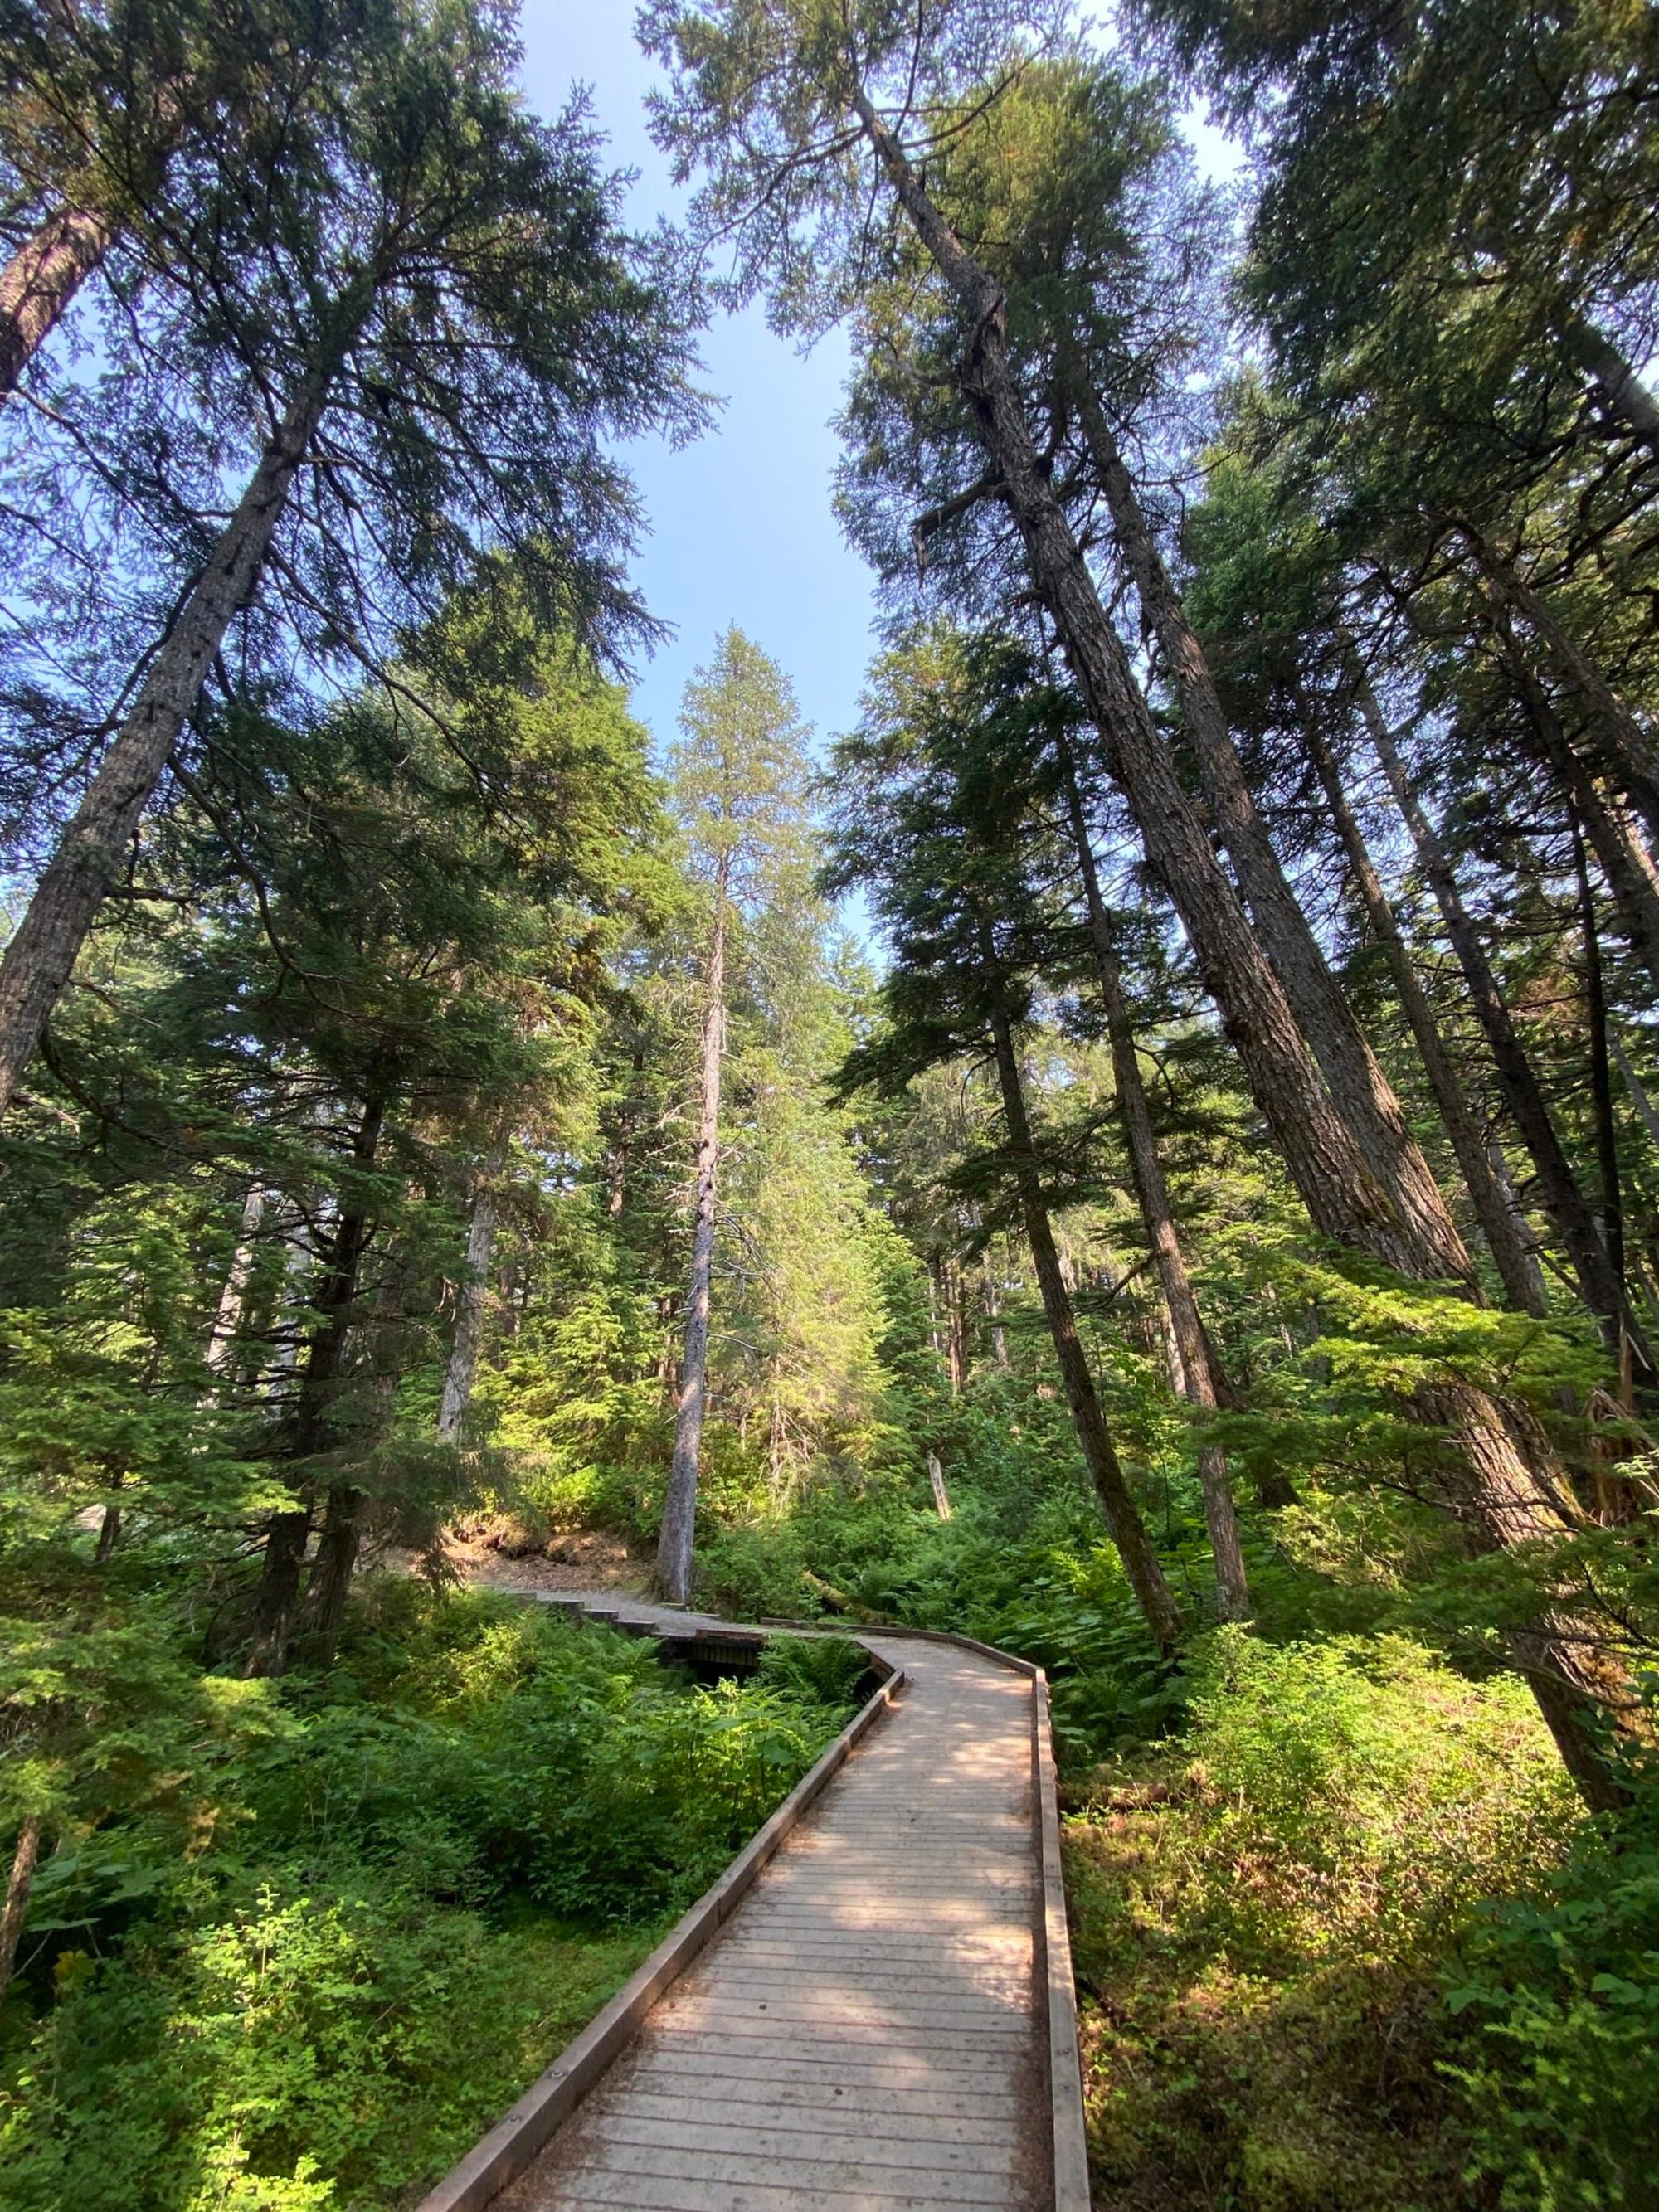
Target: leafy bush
column 1263, row 1912
column 1563, row 1993
column 1361, row 1785
column 823, row 1671
column 328, row 2045
column 297, row 1946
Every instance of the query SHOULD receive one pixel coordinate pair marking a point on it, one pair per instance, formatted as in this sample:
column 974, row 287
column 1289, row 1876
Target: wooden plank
column 824, row 2110
column 816, row 2177
column 793, row 2139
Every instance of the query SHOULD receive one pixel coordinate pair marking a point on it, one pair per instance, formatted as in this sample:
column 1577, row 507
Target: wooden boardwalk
column 869, row 2032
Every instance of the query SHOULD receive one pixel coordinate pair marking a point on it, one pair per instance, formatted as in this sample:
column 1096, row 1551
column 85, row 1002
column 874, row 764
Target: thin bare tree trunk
column 92, row 850
column 24, row 1859
column 41, row 280
column 993, row 1315
column 1498, row 1477
column 1601, row 1060
column 955, row 1320
column 470, row 1298
column 1363, row 1093
column 1190, row 1342
column 941, row 1495
column 227, row 1316
column 676, row 1540
column 1123, row 1519
column 1633, row 1083
column 1624, row 862
column 1517, row 1266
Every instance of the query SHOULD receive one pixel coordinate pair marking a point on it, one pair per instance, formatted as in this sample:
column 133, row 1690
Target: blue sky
column 741, row 525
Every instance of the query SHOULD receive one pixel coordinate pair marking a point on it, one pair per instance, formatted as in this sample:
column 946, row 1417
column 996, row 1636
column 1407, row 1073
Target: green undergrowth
column 1349, row 1944
column 297, row 1945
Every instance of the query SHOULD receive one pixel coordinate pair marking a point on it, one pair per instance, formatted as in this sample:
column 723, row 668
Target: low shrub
column 1265, row 1911
column 310, row 1951
column 1561, row 1993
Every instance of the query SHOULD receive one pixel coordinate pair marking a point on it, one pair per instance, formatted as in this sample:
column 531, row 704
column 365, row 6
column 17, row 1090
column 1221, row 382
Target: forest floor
column 495, row 1555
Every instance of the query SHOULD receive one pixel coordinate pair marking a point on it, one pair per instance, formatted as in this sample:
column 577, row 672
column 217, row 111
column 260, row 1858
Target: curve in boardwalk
column 871, row 2029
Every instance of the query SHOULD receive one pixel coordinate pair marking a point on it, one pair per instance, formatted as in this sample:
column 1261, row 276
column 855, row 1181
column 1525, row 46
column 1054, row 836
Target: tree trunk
column 1342, row 1193
column 993, row 1315
column 1516, row 1265
column 1629, row 749
column 956, row 1321
column 91, row 852
column 1194, row 1356
column 470, row 1298
column 1498, row 1480
column 1362, row 1091
column 1601, row 1060
column 941, row 1496
column 329, row 1584
column 109, row 1534
column 1123, row 1520
column 39, row 281
column 227, row 1316
column 679, row 1512
column 1621, row 390
column 1633, row 1083
column 1623, row 863
column 312, row 1430
column 1558, row 1189
column 24, row 1859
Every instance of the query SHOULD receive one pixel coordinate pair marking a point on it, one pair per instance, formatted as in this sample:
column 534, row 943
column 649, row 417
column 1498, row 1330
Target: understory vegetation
column 308, row 1943
column 1140, row 1146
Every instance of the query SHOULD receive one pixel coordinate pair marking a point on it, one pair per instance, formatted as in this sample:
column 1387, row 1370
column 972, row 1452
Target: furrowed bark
column 41, row 280
column 329, row 1584
column 469, row 1298
column 1342, row 1193
column 677, row 1538
column 90, row 854
column 1123, row 1519
column 1557, row 1187
column 1363, row 1093
column 1516, row 1265
column 1496, row 1465
column 1194, row 1353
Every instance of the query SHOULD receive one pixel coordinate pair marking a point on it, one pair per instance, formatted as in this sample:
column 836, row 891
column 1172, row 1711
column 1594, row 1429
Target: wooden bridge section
column 883, row 2021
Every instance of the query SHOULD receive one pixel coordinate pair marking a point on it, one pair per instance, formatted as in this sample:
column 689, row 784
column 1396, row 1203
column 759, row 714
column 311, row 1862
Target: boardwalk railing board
column 502, row 2155
column 1065, row 2060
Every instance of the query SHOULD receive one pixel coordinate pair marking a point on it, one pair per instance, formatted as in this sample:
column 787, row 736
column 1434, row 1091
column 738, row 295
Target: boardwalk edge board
column 502, row 2155
column 1070, row 2141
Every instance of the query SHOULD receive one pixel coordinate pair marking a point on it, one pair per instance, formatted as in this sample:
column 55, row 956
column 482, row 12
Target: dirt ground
column 587, row 1559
